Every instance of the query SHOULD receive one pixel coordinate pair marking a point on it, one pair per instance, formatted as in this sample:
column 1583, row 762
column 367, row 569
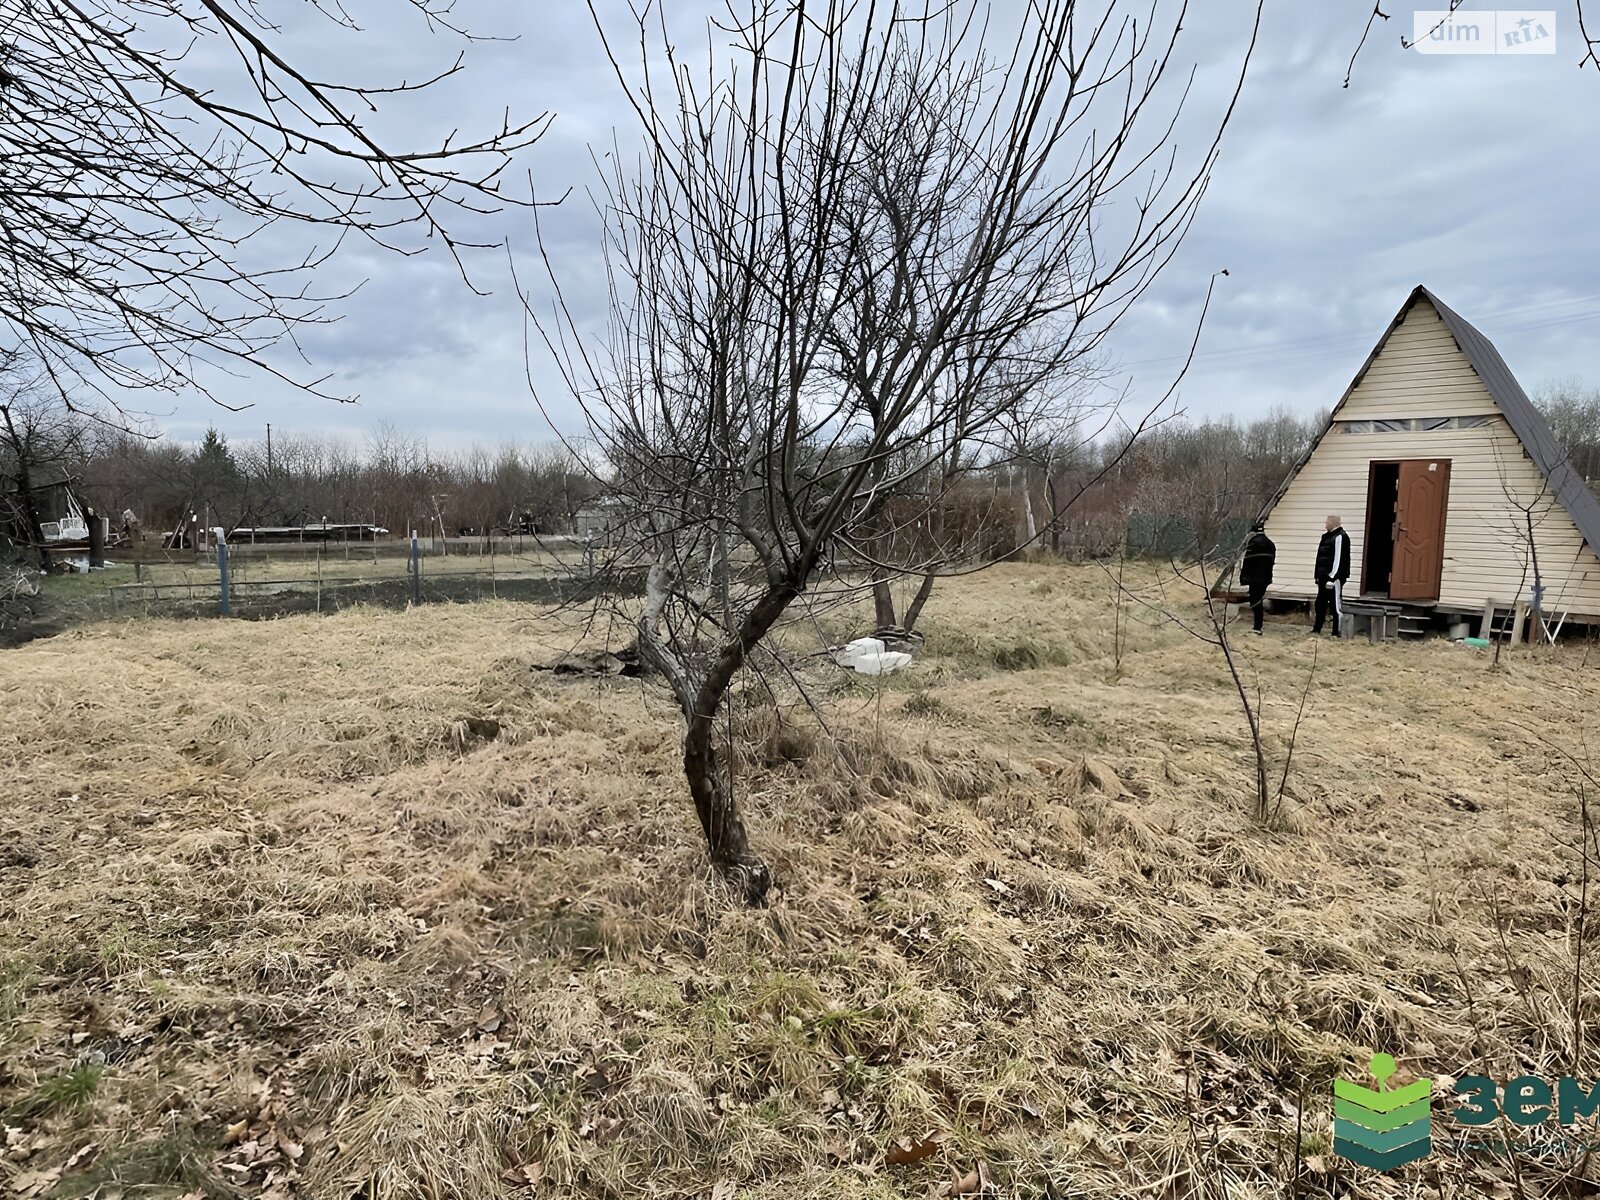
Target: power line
column 1327, row 345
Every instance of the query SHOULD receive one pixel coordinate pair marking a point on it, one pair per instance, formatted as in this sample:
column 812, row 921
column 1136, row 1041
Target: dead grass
column 362, row 906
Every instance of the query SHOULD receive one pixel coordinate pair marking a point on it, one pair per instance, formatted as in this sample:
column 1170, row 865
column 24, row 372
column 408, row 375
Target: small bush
column 66, row 1092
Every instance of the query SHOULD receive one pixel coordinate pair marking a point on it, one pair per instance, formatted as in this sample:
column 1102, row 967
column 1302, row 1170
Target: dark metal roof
column 1525, row 420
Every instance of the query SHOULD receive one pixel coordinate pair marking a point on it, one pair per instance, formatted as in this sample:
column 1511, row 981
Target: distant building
column 597, row 519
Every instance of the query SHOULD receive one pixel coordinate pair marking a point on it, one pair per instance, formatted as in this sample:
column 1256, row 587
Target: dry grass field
column 363, row 905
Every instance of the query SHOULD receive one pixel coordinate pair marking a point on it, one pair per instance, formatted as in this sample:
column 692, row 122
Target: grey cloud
column 1474, row 175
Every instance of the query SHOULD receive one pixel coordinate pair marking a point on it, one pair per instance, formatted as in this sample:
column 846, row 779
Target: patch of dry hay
column 363, row 906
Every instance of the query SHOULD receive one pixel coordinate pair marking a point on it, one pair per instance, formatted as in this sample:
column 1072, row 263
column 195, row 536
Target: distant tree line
column 399, row 482
column 1213, row 473
column 1204, row 472
column 390, row 479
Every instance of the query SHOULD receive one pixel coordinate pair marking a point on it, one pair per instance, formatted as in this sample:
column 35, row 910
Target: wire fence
column 273, row 580
column 1164, row 536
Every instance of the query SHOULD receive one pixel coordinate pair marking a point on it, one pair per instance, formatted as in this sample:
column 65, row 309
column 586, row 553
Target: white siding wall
column 1420, row 372
column 1483, row 553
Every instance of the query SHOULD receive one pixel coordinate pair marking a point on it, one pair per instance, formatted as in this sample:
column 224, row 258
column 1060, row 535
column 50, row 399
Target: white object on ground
column 869, row 657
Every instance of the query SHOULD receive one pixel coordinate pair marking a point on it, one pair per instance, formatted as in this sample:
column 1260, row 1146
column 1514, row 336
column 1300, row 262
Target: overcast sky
column 1473, row 174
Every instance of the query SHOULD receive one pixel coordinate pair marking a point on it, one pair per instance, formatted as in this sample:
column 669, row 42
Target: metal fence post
column 416, row 570
column 226, row 604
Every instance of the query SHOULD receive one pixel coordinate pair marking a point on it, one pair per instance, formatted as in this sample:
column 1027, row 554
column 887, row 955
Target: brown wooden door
column 1419, row 529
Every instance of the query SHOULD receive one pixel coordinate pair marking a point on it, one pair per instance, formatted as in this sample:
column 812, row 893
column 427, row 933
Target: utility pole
column 269, row 449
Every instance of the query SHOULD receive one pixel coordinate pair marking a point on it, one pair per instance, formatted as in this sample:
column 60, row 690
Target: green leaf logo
column 1379, row 1128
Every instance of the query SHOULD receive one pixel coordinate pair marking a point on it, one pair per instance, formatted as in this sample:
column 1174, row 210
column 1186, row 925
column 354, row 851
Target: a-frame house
column 1440, row 465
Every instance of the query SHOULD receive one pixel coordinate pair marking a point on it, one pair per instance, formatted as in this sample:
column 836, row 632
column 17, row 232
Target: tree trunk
column 722, row 574
column 30, row 506
column 97, row 538
column 1055, row 514
column 714, row 802
column 882, row 600
column 1537, row 631
column 924, row 590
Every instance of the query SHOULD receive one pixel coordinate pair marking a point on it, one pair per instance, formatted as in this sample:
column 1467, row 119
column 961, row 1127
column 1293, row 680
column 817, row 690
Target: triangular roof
column 1525, row 420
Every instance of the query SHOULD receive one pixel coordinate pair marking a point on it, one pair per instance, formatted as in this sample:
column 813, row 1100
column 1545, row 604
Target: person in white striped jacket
column 1333, row 568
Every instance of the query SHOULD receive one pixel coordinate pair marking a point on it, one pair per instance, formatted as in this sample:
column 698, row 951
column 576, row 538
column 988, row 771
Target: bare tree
column 1200, row 578
column 1036, row 433
column 915, row 530
column 148, row 144
column 1573, row 410
column 36, row 436
column 825, row 258
column 1529, row 506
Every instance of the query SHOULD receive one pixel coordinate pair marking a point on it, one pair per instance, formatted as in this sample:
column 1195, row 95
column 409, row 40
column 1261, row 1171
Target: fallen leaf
column 32, row 1183
column 972, row 1183
column 999, row 885
column 489, row 1020
column 234, row 1132
column 292, row 1150
column 528, row 1175
column 901, row 1154
column 79, row 1155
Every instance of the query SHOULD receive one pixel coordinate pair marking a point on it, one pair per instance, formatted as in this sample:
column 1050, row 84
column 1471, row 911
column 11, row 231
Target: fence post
column 416, row 571
column 225, row 600
column 97, row 539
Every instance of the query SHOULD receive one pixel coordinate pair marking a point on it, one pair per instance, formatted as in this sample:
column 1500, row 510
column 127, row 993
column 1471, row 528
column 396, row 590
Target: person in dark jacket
column 1333, row 568
column 1256, row 571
